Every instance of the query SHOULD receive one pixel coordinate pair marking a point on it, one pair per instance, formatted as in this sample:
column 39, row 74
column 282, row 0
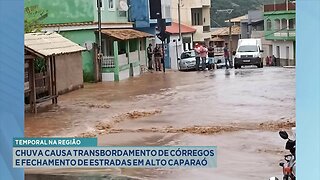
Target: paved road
column 240, row 113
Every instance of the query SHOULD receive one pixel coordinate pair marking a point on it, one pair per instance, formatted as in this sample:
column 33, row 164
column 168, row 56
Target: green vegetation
column 33, row 15
column 240, row 7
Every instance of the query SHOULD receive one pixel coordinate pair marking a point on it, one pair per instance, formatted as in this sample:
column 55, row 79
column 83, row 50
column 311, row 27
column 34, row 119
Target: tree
column 33, row 15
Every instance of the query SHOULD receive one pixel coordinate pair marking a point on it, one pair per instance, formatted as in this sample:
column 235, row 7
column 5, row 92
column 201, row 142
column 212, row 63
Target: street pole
column 99, row 3
column 179, row 18
column 230, row 43
column 177, row 54
column 163, row 54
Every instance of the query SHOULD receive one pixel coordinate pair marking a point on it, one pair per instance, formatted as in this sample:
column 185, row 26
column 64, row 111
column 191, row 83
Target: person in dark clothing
column 157, row 56
column 226, row 55
column 211, row 57
column 150, row 53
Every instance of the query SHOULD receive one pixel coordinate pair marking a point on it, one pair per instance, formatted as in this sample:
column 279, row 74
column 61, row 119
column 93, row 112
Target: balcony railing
column 279, row 7
column 107, row 62
column 284, row 34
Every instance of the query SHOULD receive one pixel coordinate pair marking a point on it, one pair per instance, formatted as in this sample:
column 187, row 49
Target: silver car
column 187, row 61
column 220, row 62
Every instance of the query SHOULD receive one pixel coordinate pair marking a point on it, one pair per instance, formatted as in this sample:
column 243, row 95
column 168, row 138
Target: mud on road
column 240, row 113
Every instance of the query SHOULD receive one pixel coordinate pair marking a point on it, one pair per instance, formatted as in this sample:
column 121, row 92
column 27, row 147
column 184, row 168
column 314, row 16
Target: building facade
column 77, row 20
column 253, row 27
column 280, row 29
column 141, row 17
column 195, row 14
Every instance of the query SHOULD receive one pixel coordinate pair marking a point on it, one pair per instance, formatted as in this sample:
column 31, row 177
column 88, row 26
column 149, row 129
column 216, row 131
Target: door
column 270, row 50
column 278, row 52
column 278, row 56
column 287, row 55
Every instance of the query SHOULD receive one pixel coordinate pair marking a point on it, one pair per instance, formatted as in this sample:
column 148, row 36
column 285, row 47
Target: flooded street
column 240, row 113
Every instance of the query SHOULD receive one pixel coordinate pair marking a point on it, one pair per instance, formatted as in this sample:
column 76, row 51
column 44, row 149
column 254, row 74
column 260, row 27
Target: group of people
column 202, row 52
column 157, row 53
column 271, row 60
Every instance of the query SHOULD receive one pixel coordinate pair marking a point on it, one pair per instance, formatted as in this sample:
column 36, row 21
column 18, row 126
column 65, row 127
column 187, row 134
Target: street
column 241, row 113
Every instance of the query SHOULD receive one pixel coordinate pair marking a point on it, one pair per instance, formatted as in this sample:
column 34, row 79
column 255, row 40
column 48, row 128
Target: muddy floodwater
column 240, row 113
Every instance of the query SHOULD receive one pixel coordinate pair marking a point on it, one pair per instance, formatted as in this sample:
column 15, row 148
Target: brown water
column 240, row 113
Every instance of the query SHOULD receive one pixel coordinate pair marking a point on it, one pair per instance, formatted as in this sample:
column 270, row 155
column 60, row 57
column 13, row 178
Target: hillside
column 240, row 7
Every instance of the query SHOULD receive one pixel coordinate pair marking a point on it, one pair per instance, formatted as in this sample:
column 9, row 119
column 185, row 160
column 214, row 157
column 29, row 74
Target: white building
column 196, row 14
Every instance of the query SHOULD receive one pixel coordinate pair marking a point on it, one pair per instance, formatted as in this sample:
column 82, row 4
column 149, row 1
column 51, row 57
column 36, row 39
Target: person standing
column 150, row 53
column 211, row 57
column 203, row 55
column 197, row 50
column 157, row 57
column 226, row 55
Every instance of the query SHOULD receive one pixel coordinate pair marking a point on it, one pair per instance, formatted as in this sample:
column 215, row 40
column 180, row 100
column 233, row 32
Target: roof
column 174, row 28
column 125, row 34
column 238, row 19
column 217, row 39
column 224, row 31
column 48, row 44
column 83, row 24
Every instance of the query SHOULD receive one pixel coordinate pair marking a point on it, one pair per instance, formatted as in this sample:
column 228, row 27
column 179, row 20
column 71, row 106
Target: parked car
column 220, row 62
column 187, row 61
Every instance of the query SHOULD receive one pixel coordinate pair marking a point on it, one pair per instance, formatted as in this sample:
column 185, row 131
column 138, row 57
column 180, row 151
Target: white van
column 249, row 52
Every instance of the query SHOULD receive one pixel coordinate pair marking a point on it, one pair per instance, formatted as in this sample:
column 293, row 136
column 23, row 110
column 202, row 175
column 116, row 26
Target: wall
column 185, row 12
column 139, row 13
column 80, row 37
column 65, row 11
column 109, row 15
column 265, row 43
column 283, row 58
column 173, row 52
column 69, row 72
column 279, row 15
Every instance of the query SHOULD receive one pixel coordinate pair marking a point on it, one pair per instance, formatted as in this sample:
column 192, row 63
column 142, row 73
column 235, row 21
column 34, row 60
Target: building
column 77, row 20
column 280, row 28
column 195, row 14
column 253, row 27
column 143, row 19
column 176, row 47
column 53, row 66
column 220, row 36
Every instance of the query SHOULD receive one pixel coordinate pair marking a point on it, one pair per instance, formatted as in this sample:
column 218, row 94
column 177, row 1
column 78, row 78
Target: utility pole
column 229, row 11
column 179, row 18
column 99, row 4
column 230, row 43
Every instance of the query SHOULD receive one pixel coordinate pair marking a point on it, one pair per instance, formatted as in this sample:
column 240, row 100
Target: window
column 111, row 5
column 284, row 23
column 277, row 24
column 248, row 48
column 196, row 15
column 102, row 4
column 292, row 23
column 268, row 25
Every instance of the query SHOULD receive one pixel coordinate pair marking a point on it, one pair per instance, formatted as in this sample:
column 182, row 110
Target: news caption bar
column 84, row 153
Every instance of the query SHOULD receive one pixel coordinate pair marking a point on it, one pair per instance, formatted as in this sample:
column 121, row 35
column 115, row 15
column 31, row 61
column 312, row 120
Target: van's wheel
column 235, row 67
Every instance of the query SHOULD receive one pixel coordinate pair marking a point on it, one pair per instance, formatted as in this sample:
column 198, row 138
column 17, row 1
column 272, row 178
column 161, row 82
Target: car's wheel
column 235, row 67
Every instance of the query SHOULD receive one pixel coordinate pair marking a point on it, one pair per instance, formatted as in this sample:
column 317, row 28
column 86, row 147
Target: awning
column 125, row 34
column 174, row 29
column 46, row 44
